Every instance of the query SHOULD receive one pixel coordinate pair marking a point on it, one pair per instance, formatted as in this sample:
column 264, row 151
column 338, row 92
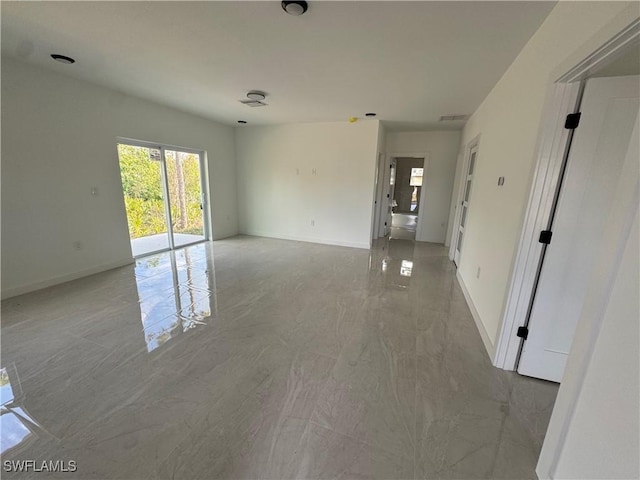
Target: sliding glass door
column 184, row 179
column 165, row 196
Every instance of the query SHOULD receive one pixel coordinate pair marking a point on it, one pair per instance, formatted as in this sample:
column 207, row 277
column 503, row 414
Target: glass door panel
column 144, row 198
column 184, row 181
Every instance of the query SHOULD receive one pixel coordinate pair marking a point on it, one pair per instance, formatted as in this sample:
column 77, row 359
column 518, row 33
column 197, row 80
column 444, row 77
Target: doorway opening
column 165, row 196
column 406, row 181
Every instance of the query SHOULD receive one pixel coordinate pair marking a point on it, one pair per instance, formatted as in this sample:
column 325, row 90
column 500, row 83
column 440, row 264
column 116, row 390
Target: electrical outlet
column 478, row 273
column 77, row 245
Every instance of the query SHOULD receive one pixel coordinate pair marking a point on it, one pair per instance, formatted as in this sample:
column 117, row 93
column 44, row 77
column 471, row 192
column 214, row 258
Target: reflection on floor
column 403, row 226
column 154, row 243
column 279, row 360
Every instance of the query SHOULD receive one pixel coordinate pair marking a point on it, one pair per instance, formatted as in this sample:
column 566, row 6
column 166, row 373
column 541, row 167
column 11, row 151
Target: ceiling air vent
column 453, row 118
column 253, row 103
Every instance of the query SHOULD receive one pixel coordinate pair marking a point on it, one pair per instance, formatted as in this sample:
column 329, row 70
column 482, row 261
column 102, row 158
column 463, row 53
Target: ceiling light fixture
column 256, row 95
column 62, row 58
column 294, row 7
column 370, row 114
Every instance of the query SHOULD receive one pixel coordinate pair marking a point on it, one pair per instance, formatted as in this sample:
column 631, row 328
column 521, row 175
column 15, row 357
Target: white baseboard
column 322, row 241
column 32, row 287
column 486, row 339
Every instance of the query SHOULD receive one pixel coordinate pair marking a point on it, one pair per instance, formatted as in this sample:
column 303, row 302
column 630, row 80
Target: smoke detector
column 255, row 99
column 256, row 95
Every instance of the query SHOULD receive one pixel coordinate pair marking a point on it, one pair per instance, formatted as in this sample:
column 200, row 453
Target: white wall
column 58, row 141
column 508, row 121
column 594, row 429
column 442, row 149
column 279, row 196
column 602, row 436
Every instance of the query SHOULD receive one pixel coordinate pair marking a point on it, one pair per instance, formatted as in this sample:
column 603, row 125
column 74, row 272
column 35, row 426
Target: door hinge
column 545, row 237
column 391, row 166
column 523, row 332
column 387, row 195
column 385, row 224
column 572, row 121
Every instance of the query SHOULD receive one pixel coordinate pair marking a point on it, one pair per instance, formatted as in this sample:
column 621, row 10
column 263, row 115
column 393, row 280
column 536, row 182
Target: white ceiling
column 410, row 62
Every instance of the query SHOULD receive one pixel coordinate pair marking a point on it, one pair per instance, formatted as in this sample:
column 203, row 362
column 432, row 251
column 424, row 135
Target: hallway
column 269, row 359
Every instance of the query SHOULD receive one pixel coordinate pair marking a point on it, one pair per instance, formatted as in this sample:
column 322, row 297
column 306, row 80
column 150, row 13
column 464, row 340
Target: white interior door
column 464, row 214
column 598, row 151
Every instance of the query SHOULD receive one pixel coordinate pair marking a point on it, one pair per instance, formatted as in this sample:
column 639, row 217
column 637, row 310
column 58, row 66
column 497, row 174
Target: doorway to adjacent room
column 406, row 186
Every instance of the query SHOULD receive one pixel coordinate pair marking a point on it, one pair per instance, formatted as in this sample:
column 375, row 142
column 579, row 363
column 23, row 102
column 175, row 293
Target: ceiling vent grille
column 453, row 118
column 253, row 103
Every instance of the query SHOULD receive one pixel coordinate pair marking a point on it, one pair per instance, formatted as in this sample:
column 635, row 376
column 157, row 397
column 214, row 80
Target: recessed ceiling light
column 294, row 7
column 370, row 114
column 62, row 58
column 242, row 122
column 256, row 95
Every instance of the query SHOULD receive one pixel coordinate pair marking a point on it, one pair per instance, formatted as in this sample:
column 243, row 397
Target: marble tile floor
column 264, row 358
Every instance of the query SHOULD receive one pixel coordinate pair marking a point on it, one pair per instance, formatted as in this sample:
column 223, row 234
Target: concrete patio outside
column 153, row 243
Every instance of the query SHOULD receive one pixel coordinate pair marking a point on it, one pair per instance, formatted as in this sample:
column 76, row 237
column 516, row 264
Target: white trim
column 462, row 183
column 32, row 287
column 608, row 52
column 157, row 145
column 378, row 195
column 456, row 199
column 551, row 151
column 486, row 339
column 552, row 145
column 321, row 241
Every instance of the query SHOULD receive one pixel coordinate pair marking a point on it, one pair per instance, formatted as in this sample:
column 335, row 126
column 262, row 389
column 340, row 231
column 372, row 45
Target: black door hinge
column 385, row 224
column 572, row 121
column 523, row 332
column 545, row 237
column 387, row 195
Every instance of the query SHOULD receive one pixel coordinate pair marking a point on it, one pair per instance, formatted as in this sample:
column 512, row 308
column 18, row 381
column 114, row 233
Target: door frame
column 378, row 196
column 563, row 97
column 388, row 159
column 204, row 187
column 471, row 144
